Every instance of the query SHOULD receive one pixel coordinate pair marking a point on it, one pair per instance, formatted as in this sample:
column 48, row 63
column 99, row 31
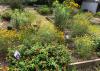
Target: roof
column 92, row 0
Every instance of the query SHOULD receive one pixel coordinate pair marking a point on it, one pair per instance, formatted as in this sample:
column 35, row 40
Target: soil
column 3, row 24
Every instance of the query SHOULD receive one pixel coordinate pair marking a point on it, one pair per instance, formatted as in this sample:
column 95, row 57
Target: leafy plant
column 62, row 14
column 97, row 42
column 21, row 18
column 80, row 25
column 44, row 10
column 84, row 46
column 6, row 15
column 94, row 31
column 98, row 14
column 48, row 34
column 43, row 57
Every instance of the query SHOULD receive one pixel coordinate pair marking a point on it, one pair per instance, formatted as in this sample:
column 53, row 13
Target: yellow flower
column 8, row 34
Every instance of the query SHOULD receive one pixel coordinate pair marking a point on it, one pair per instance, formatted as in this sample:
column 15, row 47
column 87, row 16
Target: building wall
column 90, row 6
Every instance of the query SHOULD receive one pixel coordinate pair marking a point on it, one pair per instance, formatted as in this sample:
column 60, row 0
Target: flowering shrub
column 8, row 39
column 84, row 46
column 71, row 4
column 8, row 34
column 94, row 30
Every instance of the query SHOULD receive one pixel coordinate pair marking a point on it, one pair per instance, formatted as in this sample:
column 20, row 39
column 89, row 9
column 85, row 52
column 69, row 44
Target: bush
column 6, row 15
column 80, row 25
column 94, row 30
column 97, row 43
column 16, row 4
column 3, row 44
column 62, row 15
column 44, row 10
column 9, row 37
column 39, row 57
column 18, row 19
column 98, row 14
column 21, row 18
column 84, row 46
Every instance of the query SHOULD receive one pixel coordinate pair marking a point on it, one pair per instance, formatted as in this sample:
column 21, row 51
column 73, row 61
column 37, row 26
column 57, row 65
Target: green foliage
column 44, row 57
column 17, row 18
column 44, row 10
column 61, row 15
column 94, row 30
column 21, row 18
column 16, row 4
column 47, row 34
column 7, row 14
column 97, row 42
column 84, row 46
column 80, row 25
column 3, row 44
column 98, row 14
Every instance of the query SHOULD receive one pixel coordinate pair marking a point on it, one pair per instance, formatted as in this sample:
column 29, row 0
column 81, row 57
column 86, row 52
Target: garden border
column 85, row 65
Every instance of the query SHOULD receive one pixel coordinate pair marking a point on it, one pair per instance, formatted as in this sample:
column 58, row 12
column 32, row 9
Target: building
column 90, row 5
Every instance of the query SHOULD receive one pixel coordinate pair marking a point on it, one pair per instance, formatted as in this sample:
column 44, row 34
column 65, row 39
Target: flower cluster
column 8, row 34
column 71, row 5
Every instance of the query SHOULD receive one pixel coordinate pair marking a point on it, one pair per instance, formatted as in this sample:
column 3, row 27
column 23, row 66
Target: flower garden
column 30, row 42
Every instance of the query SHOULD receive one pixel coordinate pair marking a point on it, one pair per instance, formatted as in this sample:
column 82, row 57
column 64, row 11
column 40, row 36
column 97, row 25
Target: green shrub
column 62, row 15
column 98, row 14
column 21, row 18
column 18, row 18
column 3, row 44
column 43, row 57
column 16, row 4
column 46, row 36
column 44, row 10
column 6, row 15
column 94, row 30
column 97, row 42
column 80, row 25
column 84, row 46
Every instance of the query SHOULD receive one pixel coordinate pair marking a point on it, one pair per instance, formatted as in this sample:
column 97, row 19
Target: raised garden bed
column 89, row 65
